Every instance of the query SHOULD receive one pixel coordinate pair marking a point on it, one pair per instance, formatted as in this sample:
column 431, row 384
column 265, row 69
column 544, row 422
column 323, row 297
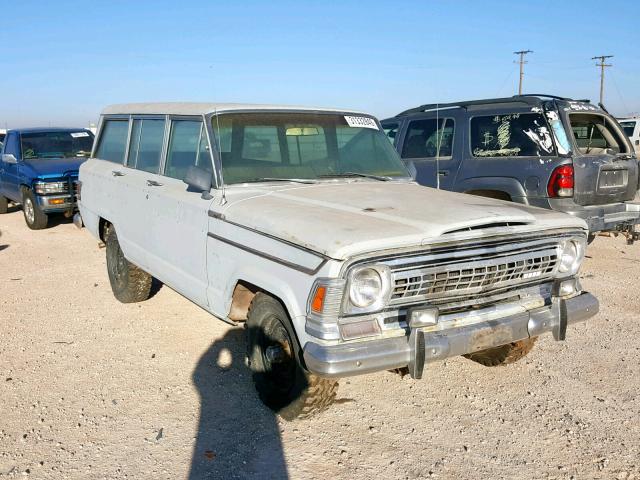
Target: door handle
column 117, row 173
column 443, row 173
column 153, row 183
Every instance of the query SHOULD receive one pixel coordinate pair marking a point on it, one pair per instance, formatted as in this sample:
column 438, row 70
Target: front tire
column 130, row 284
column 282, row 384
column 35, row 218
column 504, row 354
column 4, row 204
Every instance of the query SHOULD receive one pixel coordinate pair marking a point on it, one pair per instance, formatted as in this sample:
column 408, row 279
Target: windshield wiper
column 276, row 179
column 356, row 174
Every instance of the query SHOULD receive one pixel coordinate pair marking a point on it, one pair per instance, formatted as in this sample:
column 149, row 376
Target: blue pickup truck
column 39, row 169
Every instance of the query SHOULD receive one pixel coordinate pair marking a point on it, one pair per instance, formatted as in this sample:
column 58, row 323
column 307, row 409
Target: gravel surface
column 91, row 388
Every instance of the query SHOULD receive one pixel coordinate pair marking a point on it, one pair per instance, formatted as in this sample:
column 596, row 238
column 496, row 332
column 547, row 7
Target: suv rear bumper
column 600, row 218
column 422, row 346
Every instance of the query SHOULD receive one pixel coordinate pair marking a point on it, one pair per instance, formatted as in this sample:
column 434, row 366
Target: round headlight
column 572, row 254
column 365, row 287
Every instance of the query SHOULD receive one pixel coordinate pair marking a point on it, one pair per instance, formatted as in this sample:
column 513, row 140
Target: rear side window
column 429, row 138
column 187, row 147
column 146, row 145
column 594, row 134
column 113, row 140
column 391, row 131
column 513, row 135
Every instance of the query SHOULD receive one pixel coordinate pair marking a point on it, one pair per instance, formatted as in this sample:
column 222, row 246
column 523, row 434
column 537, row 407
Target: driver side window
column 429, row 138
column 12, row 145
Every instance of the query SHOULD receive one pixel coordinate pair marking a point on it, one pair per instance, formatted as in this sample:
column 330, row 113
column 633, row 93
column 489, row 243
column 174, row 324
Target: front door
column 9, row 172
column 176, row 241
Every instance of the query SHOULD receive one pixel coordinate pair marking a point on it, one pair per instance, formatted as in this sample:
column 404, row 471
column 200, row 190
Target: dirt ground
column 92, row 389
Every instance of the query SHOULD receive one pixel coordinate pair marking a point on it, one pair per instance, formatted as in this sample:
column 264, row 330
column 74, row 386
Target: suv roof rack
column 533, row 99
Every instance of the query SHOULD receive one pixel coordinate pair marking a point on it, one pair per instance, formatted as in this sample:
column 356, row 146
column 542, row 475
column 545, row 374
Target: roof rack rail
column 528, row 99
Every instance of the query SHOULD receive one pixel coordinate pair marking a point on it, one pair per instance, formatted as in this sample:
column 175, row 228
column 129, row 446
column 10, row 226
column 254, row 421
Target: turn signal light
column 561, row 182
column 318, row 299
column 56, row 201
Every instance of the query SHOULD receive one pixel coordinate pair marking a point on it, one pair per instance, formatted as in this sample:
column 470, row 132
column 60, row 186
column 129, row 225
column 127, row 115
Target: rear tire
column 504, row 354
column 130, row 284
column 282, row 384
column 4, row 205
column 34, row 217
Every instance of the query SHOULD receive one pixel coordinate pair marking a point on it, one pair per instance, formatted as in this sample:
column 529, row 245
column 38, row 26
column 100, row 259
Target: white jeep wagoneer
column 304, row 225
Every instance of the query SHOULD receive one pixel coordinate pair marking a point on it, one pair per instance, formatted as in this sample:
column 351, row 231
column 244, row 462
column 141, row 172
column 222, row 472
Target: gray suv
column 551, row 152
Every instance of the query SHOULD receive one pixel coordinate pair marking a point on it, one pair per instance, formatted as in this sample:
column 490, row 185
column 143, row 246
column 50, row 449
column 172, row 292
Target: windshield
column 261, row 146
column 56, row 144
column 628, row 128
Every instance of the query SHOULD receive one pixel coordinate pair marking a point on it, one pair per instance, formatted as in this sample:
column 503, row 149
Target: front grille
column 459, row 276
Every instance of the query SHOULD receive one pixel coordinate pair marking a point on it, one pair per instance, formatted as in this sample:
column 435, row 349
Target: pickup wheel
column 129, row 283
column 282, row 384
column 4, row 204
column 504, row 354
column 35, row 218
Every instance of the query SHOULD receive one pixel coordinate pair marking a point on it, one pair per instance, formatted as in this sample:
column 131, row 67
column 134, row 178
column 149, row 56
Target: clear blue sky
column 65, row 60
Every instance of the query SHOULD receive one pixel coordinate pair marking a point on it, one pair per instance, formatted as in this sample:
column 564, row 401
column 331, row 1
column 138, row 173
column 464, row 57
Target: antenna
column 223, row 199
column 437, row 147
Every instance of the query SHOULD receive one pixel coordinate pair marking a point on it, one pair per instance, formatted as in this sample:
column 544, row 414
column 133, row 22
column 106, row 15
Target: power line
column 602, row 66
column 522, row 61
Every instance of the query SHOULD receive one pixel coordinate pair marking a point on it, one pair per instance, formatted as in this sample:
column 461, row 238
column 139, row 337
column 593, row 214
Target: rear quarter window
column 512, row 135
column 113, row 141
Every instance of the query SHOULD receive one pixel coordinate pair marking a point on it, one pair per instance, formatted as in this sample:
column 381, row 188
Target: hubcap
column 277, row 354
column 29, row 210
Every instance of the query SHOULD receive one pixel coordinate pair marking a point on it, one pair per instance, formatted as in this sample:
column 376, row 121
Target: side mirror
column 9, row 158
column 199, row 180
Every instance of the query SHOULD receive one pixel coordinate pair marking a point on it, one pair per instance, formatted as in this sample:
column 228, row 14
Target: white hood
column 348, row 218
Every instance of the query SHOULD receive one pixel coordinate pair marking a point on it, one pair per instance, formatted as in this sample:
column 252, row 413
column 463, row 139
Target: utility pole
column 522, row 61
column 602, row 66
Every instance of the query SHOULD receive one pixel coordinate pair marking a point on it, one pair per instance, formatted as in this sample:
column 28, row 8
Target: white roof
column 187, row 108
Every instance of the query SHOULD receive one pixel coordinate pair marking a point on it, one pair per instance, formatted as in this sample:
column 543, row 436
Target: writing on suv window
column 512, row 135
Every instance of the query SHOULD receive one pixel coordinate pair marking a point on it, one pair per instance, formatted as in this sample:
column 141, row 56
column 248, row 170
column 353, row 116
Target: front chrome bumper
column 44, row 202
column 421, row 346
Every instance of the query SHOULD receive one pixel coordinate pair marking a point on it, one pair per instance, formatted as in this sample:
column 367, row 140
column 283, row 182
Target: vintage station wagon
column 304, row 225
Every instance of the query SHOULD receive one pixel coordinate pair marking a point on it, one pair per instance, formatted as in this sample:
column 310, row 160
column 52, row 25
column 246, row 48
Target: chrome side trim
column 272, row 258
column 221, row 217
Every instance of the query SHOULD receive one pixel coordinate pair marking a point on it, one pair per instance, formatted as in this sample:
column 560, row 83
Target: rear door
column 429, row 144
column 604, row 166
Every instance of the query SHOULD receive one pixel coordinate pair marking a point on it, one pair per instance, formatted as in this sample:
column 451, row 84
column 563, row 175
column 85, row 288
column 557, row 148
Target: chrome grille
column 469, row 276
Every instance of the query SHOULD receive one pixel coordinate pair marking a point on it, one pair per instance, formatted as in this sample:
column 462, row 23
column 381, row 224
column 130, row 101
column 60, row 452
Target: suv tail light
column 561, row 182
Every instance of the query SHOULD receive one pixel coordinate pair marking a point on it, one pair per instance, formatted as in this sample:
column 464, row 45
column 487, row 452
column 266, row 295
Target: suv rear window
column 113, row 140
column 429, row 138
column 512, row 135
column 594, row 134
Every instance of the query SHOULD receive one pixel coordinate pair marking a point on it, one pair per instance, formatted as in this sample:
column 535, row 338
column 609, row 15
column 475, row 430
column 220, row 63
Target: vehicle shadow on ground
column 238, row 437
column 3, row 247
column 55, row 220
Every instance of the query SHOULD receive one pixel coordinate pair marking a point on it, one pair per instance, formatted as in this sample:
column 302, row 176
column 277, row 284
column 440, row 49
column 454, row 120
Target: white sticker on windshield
column 79, row 134
column 361, row 122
